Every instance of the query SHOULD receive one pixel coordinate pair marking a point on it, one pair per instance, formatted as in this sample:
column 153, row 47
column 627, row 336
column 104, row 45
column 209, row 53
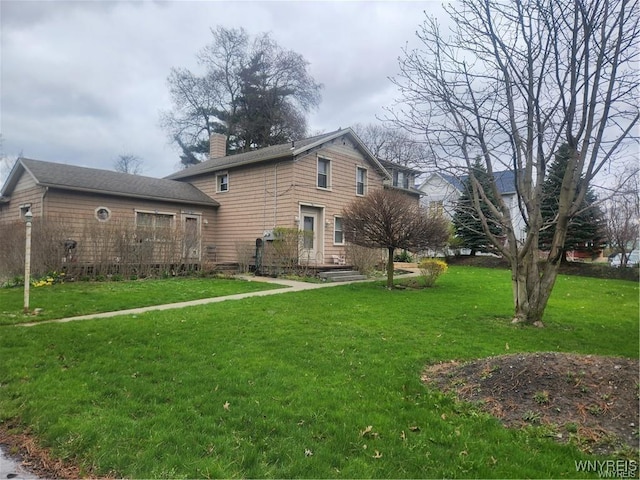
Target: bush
column 404, row 256
column 430, row 270
column 364, row 259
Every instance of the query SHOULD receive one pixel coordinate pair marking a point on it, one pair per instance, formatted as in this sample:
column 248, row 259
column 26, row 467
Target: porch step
column 341, row 276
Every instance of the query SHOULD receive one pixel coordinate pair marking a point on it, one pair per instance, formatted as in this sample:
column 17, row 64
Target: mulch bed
column 591, row 401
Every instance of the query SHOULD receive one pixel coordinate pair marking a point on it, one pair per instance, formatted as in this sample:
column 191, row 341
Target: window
column 103, row 214
column 308, row 232
column 324, row 171
column 361, row 180
column 436, row 207
column 338, row 234
column 400, row 179
column 154, row 226
column 222, row 181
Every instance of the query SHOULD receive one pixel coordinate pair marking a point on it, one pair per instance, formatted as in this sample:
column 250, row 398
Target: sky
column 83, row 82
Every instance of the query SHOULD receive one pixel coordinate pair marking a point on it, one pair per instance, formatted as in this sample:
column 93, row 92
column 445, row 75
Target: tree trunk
column 390, row 269
column 532, row 286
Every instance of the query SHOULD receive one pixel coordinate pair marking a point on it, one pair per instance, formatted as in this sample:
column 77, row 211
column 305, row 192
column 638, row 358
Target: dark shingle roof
column 71, row 177
column 282, row 151
column 505, row 181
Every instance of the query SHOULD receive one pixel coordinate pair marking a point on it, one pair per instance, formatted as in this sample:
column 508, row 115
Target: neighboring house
column 220, row 206
column 441, row 192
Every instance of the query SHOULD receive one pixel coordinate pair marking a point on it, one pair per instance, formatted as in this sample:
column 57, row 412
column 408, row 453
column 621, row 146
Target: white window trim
column 218, row 177
column 330, row 168
column 366, row 180
column 334, row 231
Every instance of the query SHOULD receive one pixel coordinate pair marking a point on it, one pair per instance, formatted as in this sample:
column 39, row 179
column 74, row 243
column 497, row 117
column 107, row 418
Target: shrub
column 403, row 256
column 430, row 270
column 364, row 259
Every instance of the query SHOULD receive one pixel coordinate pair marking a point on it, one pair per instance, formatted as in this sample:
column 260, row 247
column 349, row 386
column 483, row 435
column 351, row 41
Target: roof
column 288, row 150
column 397, row 166
column 505, row 181
column 82, row 179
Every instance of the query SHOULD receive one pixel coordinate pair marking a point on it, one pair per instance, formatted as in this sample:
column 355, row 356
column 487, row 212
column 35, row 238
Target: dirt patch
column 33, row 458
column 588, row 400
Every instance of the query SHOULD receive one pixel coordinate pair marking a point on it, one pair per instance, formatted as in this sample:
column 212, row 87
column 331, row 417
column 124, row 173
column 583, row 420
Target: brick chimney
column 217, row 145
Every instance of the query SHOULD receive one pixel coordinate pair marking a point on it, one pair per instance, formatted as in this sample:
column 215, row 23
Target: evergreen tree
column 586, row 229
column 466, row 221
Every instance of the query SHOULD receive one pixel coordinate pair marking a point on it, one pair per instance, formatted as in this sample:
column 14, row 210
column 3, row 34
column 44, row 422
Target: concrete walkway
column 291, row 286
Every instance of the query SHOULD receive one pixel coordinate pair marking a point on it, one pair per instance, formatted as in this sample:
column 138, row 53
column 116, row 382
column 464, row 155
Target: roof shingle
column 71, row 177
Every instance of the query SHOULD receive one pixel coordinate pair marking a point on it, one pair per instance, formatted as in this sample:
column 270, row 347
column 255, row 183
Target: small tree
column 128, row 163
column 467, row 223
column 390, row 219
column 622, row 216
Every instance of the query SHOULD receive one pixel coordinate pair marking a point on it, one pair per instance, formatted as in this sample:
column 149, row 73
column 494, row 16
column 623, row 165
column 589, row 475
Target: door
column 192, row 238
column 312, row 234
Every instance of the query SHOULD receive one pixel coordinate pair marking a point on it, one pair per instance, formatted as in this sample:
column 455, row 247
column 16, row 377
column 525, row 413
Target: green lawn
column 288, row 385
column 83, row 298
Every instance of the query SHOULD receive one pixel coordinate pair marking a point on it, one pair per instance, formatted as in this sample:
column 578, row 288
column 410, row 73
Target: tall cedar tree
column 585, row 232
column 466, row 222
column 393, row 220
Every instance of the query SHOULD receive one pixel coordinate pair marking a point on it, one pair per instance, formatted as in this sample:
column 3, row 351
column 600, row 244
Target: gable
column 343, row 138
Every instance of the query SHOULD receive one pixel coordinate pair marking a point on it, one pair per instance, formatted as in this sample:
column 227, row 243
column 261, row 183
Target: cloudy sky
column 84, row 81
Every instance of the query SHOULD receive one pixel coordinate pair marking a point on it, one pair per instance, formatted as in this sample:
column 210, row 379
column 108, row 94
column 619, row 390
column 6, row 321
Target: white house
column 441, row 191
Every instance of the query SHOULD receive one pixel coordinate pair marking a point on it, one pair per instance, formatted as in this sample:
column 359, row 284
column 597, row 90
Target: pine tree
column 467, row 223
column 586, row 229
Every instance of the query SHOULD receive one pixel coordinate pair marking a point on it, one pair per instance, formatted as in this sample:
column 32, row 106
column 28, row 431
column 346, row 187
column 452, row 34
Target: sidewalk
column 291, row 286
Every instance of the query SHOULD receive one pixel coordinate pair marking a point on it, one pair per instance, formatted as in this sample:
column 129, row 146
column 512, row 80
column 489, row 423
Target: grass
column 323, row 383
column 83, row 298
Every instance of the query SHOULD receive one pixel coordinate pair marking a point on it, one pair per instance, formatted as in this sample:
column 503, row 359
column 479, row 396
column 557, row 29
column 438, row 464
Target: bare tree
column 511, row 83
column 128, row 163
column 390, row 219
column 622, row 217
column 394, row 145
column 6, row 163
column 253, row 91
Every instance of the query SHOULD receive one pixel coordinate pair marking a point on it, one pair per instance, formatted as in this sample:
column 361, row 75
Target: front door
column 312, row 234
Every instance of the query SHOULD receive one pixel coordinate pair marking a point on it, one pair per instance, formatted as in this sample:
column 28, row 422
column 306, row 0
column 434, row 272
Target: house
column 441, row 192
column 215, row 210
column 94, row 216
column 304, row 184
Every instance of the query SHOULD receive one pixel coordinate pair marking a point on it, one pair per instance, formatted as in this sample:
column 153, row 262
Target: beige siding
column 268, row 195
column 79, row 212
column 259, row 198
column 76, row 212
column 345, row 158
column 26, row 192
